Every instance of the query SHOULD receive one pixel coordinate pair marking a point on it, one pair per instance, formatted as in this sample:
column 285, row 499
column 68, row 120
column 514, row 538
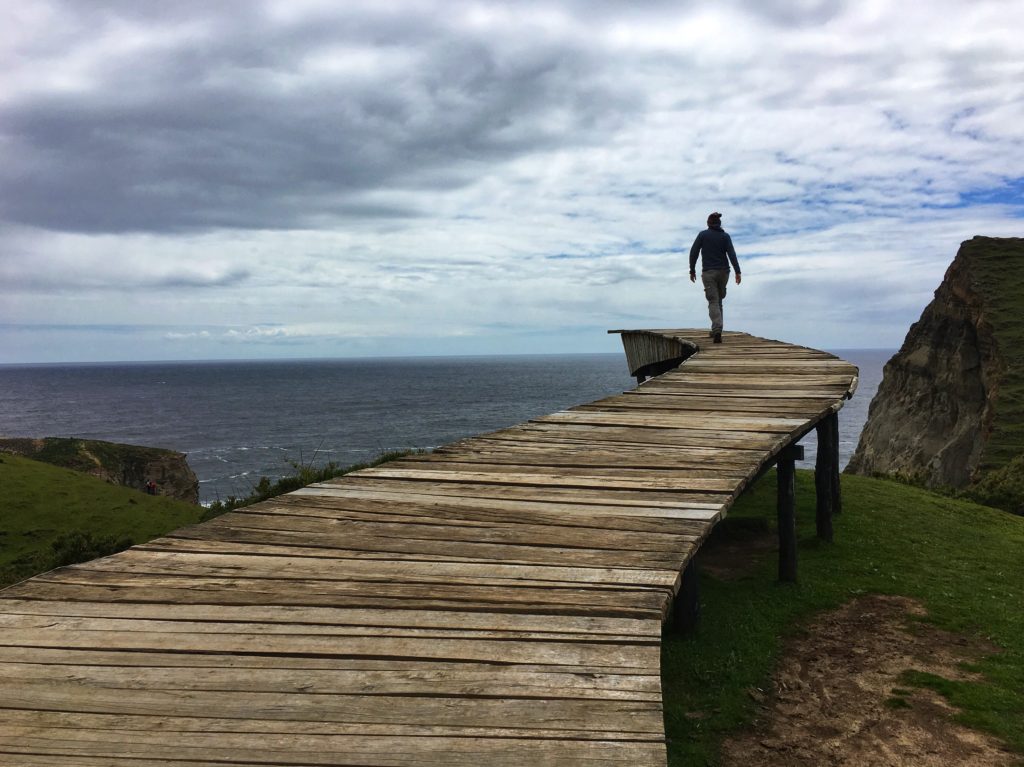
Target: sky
column 307, row 178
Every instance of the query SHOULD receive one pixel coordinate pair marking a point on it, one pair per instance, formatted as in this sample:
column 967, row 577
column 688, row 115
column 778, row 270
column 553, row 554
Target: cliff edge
column 950, row 409
column 129, row 465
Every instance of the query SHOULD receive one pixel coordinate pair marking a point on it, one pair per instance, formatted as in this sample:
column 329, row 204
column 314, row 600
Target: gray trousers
column 715, row 282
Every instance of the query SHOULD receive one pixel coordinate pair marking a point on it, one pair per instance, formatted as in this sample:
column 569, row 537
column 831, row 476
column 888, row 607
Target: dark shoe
column 718, row 338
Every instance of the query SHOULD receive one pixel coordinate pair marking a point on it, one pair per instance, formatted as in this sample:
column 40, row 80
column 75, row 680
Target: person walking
column 714, row 245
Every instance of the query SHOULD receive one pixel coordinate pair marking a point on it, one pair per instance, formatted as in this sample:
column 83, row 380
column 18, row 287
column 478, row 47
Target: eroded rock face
column 128, row 465
column 932, row 414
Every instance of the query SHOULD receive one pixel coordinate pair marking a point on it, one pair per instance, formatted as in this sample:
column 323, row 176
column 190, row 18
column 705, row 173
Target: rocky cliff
column 949, row 410
column 128, row 465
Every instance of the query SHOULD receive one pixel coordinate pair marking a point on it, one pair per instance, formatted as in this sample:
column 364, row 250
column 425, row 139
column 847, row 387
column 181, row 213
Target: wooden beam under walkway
column 499, row 601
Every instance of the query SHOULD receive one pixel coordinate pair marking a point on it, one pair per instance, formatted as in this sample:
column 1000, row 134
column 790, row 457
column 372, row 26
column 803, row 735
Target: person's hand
column 693, row 277
column 739, row 278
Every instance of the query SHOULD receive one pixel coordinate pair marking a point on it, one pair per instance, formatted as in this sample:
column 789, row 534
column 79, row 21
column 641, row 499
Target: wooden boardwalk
column 496, row 602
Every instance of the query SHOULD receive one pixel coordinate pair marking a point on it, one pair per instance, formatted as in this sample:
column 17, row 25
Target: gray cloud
column 243, row 131
column 311, row 172
column 230, row 279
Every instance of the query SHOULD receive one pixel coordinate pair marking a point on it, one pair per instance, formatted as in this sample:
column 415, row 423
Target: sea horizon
column 382, row 357
column 239, row 420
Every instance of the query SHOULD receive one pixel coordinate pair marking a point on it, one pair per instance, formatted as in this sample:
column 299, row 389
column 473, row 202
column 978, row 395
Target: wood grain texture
column 498, row 601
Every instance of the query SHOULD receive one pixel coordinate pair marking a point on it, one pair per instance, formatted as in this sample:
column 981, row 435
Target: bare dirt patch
column 837, row 699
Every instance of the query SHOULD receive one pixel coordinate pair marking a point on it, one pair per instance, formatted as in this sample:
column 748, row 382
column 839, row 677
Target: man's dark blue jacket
column 714, row 244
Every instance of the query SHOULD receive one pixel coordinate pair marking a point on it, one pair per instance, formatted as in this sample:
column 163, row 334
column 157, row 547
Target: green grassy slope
column 41, row 505
column 997, row 272
column 963, row 561
column 84, row 454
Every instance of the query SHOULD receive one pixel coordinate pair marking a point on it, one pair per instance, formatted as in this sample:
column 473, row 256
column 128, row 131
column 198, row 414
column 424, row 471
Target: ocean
column 239, row 421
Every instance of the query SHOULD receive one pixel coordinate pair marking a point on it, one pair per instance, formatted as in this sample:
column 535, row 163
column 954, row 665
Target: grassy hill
column 962, row 561
column 51, row 516
column 998, row 275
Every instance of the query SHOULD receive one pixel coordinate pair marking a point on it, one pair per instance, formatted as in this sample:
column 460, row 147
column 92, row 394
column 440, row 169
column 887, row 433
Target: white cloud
column 310, row 177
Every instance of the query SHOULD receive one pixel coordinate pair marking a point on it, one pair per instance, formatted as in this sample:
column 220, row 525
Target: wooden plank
column 639, row 654
column 675, row 420
column 182, row 725
column 709, row 407
column 613, row 501
column 570, row 452
column 169, row 749
column 495, row 468
column 758, row 442
column 198, row 663
column 643, row 602
column 787, row 362
column 686, row 388
column 668, row 558
column 341, row 504
column 624, row 498
column 567, row 480
column 352, row 525
column 597, row 554
column 390, row 550
column 71, row 721
column 98, row 585
column 598, row 628
column 503, row 682
column 552, row 718
column 223, row 564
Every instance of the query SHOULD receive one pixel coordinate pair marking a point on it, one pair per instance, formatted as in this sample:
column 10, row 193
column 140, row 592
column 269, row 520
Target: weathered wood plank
column 675, row 420
column 337, row 501
column 337, row 569
column 83, row 748
column 511, row 466
column 639, row 655
column 208, row 589
column 502, row 682
column 350, row 526
column 624, row 498
column 523, row 622
column 537, row 478
column 189, row 663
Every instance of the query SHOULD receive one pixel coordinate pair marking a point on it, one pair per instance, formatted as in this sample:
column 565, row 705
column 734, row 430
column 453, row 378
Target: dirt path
column 833, row 697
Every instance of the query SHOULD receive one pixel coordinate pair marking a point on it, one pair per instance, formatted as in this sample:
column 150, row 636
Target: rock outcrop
column 128, row 465
column 933, row 417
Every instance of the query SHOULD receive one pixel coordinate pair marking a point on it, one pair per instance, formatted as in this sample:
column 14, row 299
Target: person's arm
column 694, row 251
column 731, row 251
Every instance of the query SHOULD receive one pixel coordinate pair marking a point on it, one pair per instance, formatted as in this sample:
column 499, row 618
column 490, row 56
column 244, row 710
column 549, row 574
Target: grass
column 88, row 454
column 964, row 562
column 997, row 273
column 305, row 474
column 53, row 516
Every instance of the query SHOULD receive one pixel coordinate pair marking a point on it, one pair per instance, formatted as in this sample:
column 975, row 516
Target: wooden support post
column 686, row 609
column 786, row 510
column 823, row 480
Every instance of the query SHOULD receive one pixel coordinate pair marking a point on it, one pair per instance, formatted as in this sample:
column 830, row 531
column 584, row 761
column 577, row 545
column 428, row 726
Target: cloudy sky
column 309, row 178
